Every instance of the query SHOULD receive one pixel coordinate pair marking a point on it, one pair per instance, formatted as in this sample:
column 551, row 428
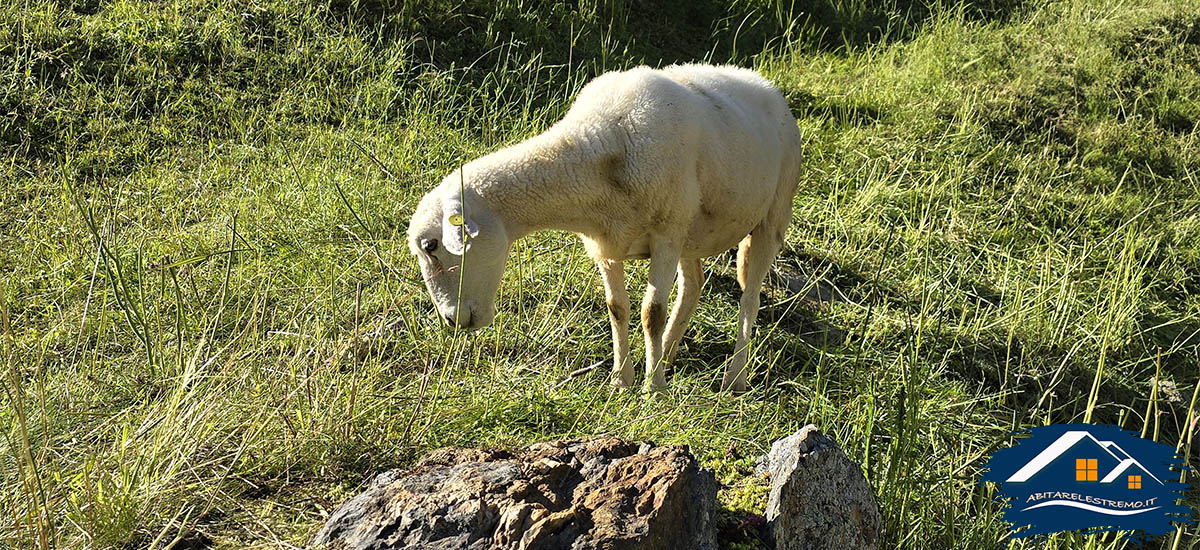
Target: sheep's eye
column 429, row 245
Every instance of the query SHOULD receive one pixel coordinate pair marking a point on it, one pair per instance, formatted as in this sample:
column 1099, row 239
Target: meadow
column 213, row 333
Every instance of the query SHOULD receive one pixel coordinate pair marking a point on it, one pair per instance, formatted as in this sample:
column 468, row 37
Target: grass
column 213, row 333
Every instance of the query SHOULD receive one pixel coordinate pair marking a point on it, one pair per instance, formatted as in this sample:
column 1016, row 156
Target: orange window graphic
column 1135, row 482
column 1085, row 469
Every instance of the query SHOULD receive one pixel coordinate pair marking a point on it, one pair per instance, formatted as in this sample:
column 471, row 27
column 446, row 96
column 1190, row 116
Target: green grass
column 213, row 333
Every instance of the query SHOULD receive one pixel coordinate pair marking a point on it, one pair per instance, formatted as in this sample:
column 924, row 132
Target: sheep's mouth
column 461, row 323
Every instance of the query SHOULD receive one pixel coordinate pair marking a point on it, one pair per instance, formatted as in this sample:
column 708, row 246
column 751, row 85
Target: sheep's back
column 694, row 146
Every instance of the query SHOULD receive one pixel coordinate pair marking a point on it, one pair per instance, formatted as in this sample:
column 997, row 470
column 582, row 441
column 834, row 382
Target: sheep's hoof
column 618, row 382
column 734, row 387
column 654, row 388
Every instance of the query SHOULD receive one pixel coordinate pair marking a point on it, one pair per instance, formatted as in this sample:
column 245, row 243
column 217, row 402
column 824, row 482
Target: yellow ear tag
column 456, row 220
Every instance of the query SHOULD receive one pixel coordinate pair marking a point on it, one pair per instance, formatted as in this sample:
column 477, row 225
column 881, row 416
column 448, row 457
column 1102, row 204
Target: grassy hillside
column 213, row 332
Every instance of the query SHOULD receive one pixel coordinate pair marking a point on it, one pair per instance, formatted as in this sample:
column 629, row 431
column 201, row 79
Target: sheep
column 672, row 165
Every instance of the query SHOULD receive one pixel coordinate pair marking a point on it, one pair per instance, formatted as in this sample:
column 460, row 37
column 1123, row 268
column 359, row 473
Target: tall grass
column 213, row 333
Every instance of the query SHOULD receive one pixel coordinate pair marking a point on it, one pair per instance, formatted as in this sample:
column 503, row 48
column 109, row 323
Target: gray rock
column 819, row 497
column 581, row 494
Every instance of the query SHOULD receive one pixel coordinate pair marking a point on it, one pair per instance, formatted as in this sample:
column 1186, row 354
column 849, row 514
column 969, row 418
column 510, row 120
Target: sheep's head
column 462, row 248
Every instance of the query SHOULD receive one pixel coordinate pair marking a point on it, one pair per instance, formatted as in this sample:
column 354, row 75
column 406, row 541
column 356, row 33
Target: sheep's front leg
column 663, row 261
column 617, row 298
column 691, row 280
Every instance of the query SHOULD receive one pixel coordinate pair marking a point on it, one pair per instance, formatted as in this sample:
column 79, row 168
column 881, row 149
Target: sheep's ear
column 457, row 231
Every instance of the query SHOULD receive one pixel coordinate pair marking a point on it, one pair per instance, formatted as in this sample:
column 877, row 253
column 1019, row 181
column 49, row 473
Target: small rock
column 819, row 497
column 582, row 494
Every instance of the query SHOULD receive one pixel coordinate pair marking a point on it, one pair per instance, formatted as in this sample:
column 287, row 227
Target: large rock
column 580, row 494
column 819, row 497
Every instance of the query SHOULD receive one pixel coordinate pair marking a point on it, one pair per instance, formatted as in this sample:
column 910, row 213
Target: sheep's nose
column 450, row 320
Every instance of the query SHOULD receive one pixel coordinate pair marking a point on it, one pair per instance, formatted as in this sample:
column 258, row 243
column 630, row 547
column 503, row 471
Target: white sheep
column 673, row 165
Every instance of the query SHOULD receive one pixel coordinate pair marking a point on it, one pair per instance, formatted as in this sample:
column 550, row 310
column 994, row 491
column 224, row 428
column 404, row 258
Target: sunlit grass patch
column 213, row 330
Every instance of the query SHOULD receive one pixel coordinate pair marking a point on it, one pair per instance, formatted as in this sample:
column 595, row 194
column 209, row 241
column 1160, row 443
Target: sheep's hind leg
column 755, row 254
column 691, row 281
column 617, row 298
column 664, row 258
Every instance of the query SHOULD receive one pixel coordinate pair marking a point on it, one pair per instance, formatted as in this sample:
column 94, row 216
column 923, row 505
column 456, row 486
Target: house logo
column 1068, row 477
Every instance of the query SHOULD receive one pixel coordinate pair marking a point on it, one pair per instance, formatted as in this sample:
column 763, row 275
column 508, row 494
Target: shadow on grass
column 651, row 30
column 267, row 52
column 841, row 113
column 789, row 303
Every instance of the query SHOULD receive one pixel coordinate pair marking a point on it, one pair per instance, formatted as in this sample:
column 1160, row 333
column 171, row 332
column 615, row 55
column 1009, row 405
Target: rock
column 583, row 494
column 818, row 293
column 819, row 497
